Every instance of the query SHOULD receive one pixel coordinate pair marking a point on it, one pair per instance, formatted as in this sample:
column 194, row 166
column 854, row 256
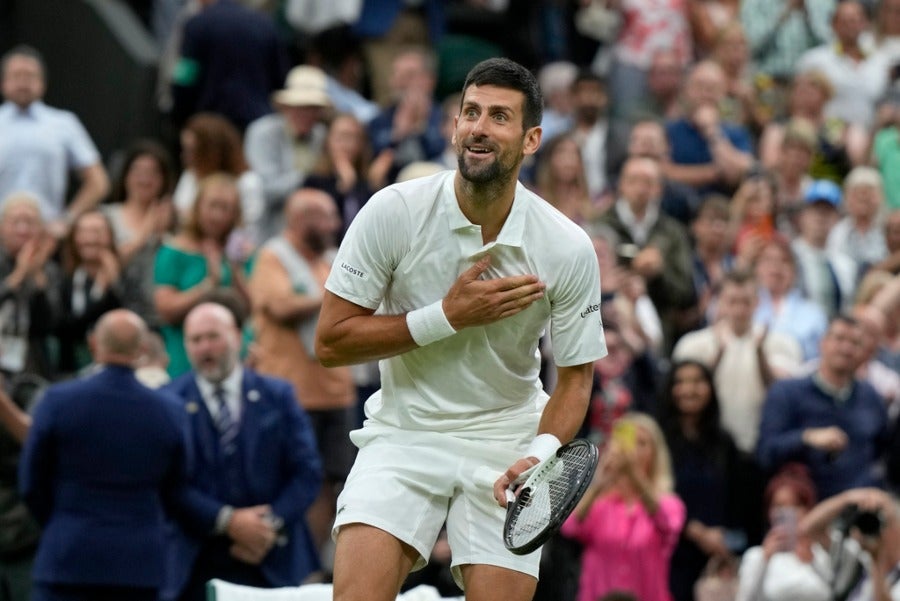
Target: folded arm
column 349, row 333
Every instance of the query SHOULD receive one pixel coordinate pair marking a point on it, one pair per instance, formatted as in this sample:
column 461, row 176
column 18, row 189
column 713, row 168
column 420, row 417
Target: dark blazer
column 104, row 457
column 72, row 328
column 281, row 468
column 672, row 291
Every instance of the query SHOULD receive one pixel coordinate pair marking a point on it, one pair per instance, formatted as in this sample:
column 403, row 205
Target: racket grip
column 510, row 496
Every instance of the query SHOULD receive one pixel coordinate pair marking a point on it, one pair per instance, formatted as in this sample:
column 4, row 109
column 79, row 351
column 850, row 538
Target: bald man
column 104, row 458
column 257, row 469
column 286, row 290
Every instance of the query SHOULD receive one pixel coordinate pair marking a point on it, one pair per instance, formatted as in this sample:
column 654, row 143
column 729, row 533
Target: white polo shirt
column 407, row 247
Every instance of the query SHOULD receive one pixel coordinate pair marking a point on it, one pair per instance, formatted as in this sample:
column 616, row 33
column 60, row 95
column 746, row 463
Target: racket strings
column 549, row 493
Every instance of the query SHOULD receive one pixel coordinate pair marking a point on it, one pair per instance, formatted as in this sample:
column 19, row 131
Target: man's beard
column 484, row 173
column 479, row 175
column 217, row 371
column 588, row 114
column 317, row 242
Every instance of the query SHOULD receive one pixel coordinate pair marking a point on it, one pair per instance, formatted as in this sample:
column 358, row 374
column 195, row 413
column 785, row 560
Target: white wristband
column 429, row 324
column 543, row 446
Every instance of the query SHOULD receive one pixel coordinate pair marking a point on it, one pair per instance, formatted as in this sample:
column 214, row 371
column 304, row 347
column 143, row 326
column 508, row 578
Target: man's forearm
column 564, row 413
column 94, row 186
column 363, row 338
column 819, row 517
column 693, row 175
column 290, row 309
column 16, row 421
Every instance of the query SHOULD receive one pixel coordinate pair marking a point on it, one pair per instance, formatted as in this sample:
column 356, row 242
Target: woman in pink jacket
column 629, row 520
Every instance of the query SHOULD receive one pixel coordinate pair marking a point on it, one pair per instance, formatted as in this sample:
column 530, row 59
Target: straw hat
column 305, row 86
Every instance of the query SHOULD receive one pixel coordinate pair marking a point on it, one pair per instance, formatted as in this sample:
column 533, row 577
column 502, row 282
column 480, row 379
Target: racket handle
column 510, row 496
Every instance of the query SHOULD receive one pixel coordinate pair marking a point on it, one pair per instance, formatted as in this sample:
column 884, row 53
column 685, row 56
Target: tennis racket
column 548, row 496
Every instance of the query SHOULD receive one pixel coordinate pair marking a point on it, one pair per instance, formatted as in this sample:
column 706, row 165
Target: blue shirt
column 799, row 317
column 792, row 406
column 689, row 147
column 424, row 146
column 38, row 147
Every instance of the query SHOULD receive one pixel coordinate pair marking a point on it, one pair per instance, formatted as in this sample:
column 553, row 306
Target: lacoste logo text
column 354, row 271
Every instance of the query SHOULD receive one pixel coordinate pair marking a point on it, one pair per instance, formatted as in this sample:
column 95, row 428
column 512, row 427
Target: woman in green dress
column 193, row 266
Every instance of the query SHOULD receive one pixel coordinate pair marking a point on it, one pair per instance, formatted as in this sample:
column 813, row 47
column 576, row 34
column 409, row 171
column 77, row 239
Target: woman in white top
column 787, row 566
column 211, row 144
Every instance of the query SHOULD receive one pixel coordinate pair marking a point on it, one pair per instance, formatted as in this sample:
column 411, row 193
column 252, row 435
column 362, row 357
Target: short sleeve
column 80, row 149
column 372, row 248
column 576, row 329
column 166, row 268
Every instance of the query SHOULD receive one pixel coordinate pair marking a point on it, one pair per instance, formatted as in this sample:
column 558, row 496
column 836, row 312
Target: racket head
column 549, row 495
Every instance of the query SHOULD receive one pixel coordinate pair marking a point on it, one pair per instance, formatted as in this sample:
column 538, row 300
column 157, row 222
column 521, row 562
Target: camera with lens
column 869, row 523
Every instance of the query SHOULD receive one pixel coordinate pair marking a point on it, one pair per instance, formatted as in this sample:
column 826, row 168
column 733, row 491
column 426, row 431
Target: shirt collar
column 512, row 232
column 231, row 384
column 640, row 230
column 841, row 395
column 33, row 110
column 864, row 49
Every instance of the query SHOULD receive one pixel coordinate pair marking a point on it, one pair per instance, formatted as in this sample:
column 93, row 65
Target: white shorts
column 410, row 483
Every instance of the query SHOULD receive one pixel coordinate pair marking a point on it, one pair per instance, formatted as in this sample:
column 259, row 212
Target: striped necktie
column 225, row 422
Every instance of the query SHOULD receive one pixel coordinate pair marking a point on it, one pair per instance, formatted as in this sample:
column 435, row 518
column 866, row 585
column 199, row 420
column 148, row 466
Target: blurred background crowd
column 735, row 162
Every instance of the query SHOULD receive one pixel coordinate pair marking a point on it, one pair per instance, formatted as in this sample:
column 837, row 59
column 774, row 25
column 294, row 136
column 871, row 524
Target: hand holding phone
column 786, row 518
column 625, row 435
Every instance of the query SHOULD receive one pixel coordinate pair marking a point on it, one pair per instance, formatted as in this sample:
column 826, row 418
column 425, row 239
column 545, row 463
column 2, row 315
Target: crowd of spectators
column 734, row 161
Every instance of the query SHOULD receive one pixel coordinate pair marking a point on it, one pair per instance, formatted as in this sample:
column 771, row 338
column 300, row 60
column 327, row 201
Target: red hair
column 794, row 476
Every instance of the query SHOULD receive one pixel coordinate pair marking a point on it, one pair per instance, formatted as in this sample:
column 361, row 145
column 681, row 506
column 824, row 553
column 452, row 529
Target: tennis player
column 451, row 280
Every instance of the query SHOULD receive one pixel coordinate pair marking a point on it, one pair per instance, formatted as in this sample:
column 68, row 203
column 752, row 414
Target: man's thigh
column 398, row 490
column 370, row 564
column 475, row 524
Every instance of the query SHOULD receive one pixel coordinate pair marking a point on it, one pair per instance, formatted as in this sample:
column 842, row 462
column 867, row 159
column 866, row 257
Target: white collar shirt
column 232, row 388
column 404, row 251
column 638, row 228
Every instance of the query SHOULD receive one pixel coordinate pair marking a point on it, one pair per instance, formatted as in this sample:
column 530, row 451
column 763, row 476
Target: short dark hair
column 738, row 277
column 504, row 73
column 714, row 204
column 141, row 148
column 590, row 76
column 844, row 318
column 26, row 51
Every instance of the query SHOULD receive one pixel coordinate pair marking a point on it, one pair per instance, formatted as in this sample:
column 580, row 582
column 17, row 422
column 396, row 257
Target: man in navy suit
column 103, row 458
column 256, row 472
